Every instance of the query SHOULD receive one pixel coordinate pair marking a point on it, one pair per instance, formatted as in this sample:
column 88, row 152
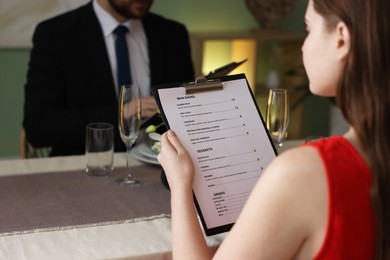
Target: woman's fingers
column 172, row 137
column 166, row 145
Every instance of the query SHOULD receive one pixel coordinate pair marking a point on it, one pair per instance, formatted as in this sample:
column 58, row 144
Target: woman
column 329, row 199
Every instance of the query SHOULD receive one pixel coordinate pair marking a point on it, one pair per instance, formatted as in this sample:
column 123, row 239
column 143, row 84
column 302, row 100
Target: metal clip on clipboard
column 201, row 84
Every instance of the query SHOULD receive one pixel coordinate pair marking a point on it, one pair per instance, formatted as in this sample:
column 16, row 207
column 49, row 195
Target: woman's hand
column 176, row 162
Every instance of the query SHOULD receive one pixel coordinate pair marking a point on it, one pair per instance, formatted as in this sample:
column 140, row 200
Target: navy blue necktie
column 122, row 56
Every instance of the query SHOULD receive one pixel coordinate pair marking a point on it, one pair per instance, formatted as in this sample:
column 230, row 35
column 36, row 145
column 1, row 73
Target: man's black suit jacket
column 70, row 83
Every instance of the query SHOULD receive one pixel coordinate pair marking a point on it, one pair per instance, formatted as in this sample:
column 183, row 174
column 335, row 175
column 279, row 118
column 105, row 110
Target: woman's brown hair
column 363, row 94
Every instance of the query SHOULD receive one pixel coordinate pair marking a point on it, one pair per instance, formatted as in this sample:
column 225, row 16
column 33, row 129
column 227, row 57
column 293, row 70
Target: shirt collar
column 109, row 23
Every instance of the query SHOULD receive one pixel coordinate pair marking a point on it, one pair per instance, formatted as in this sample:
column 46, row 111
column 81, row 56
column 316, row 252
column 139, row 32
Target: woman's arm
column 187, row 237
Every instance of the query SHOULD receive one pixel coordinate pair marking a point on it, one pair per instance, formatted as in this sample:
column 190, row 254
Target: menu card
column 228, row 142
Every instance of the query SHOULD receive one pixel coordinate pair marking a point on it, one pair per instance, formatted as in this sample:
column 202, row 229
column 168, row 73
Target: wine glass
column 278, row 114
column 129, row 125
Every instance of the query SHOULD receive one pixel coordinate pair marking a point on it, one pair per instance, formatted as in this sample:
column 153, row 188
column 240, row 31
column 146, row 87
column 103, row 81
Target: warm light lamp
column 217, row 53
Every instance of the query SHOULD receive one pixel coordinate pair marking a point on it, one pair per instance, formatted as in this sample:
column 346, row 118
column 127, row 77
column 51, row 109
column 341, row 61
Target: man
column 72, row 77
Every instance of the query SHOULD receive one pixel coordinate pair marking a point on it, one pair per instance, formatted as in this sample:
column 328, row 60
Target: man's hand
column 149, row 107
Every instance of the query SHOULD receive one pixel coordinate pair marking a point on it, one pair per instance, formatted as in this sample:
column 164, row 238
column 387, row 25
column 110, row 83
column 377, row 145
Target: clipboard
column 219, row 123
column 224, row 70
column 217, row 73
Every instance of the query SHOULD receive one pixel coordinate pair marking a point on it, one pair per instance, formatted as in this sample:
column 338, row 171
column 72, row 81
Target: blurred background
column 221, row 31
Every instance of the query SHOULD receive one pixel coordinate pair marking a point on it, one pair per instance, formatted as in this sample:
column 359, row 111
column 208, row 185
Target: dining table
column 51, row 209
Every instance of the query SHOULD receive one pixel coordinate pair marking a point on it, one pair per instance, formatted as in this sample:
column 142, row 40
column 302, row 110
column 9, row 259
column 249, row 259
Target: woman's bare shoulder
column 300, row 160
column 296, row 172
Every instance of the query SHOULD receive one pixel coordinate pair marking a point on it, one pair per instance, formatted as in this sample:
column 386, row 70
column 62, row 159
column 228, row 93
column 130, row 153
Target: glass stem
column 128, row 148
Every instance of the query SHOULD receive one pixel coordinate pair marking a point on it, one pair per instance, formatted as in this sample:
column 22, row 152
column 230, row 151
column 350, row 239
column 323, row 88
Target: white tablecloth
column 141, row 240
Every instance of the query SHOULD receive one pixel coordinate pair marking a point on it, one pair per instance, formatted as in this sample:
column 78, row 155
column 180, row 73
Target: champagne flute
column 129, row 125
column 278, row 114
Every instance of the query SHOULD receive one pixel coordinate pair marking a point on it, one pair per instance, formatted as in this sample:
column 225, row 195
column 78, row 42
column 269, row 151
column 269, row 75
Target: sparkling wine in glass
column 129, row 125
column 278, row 113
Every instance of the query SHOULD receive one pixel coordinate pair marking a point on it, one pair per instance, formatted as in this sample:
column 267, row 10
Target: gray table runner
column 62, row 200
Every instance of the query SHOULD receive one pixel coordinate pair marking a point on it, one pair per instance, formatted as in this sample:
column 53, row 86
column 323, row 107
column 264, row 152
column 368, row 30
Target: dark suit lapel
column 94, row 46
column 152, row 35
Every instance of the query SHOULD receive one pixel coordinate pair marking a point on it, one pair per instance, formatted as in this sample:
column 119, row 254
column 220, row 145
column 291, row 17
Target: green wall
column 221, row 15
column 13, row 67
column 198, row 15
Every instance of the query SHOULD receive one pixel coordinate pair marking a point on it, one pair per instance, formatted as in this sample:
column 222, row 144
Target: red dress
column 350, row 230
